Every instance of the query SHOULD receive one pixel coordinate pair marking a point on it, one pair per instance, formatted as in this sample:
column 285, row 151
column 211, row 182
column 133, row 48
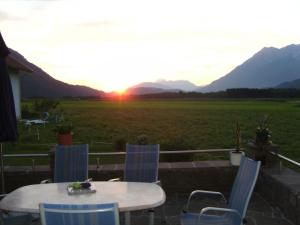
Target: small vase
column 235, row 158
column 64, row 139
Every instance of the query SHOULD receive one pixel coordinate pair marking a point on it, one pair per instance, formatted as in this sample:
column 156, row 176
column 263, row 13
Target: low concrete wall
column 175, row 177
column 281, row 188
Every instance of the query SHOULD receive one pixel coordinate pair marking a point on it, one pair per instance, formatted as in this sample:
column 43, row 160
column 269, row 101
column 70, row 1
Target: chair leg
column 127, row 218
column 163, row 217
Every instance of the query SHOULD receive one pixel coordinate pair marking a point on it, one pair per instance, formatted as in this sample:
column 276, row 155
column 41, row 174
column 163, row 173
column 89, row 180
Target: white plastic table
column 130, row 196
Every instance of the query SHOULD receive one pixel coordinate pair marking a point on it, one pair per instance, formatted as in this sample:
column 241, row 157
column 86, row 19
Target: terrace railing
column 32, row 156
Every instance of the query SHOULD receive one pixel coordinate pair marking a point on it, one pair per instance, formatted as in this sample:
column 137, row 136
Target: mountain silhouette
column 290, row 84
column 161, row 86
column 183, row 85
column 267, row 68
column 41, row 84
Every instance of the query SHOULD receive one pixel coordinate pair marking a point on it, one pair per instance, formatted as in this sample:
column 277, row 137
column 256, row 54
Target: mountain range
column 161, row 86
column 270, row 67
column 290, row 84
column 41, row 84
column 267, row 68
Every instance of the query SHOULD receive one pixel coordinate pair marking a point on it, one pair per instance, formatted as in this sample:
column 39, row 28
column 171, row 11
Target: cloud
column 4, row 16
column 95, row 24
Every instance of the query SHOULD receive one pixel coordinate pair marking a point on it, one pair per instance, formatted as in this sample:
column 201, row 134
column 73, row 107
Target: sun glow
column 121, row 92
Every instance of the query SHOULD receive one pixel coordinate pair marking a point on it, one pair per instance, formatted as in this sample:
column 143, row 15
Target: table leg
column 127, row 218
column 151, row 217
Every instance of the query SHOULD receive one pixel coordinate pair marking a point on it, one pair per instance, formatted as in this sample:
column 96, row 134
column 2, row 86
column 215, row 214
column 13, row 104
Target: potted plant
column 142, row 139
column 64, row 132
column 262, row 143
column 236, row 155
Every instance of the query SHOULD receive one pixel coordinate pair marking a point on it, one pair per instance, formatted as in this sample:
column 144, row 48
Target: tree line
column 229, row 93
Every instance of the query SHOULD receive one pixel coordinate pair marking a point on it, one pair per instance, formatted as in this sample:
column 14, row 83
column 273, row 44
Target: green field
column 174, row 124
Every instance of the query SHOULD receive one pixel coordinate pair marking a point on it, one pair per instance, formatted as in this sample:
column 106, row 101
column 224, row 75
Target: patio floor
column 260, row 212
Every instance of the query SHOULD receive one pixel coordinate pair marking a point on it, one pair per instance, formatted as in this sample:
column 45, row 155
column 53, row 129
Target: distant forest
column 229, row 93
column 234, row 93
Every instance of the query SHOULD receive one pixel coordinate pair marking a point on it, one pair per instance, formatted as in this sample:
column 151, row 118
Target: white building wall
column 15, row 84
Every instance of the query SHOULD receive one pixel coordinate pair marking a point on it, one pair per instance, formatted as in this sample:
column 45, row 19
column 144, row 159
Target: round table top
column 130, row 196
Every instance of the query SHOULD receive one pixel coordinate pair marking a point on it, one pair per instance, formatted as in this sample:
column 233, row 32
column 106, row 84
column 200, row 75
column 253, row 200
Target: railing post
column 51, row 154
column 98, row 163
column 2, row 170
column 33, row 164
column 280, row 165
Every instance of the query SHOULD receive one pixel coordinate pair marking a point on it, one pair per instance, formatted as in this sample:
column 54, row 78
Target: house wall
column 15, row 83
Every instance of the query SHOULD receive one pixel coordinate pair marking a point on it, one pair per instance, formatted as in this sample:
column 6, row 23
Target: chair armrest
column 207, row 194
column 2, row 196
column 46, row 181
column 115, row 179
column 234, row 212
column 158, row 182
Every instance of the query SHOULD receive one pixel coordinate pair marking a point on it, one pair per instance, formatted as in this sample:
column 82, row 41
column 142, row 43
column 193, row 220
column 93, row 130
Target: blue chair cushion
column 141, row 163
column 71, row 163
column 77, row 218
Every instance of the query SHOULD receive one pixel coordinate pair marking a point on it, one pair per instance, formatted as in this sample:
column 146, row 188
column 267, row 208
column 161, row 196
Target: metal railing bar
column 53, row 144
column 161, row 152
column 121, row 153
column 104, row 143
column 33, row 144
column 196, row 151
column 286, row 159
column 25, row 155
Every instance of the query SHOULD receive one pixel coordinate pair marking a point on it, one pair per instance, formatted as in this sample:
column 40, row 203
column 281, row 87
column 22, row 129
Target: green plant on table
column 76, row 186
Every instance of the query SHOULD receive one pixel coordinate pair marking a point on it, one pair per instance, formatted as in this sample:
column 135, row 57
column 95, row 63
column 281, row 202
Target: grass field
column 174, row 124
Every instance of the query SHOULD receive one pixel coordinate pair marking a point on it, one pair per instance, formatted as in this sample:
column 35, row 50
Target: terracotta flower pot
column 64, row 139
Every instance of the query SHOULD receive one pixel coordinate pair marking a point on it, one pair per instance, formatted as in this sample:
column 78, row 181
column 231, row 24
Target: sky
column 113, row 44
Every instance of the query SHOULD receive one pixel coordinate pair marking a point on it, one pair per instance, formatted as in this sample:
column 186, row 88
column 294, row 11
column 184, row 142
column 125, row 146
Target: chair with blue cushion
column 14, row 218
column 141, row 165
column 235, row 210
column 71, row 163
column 98, row 214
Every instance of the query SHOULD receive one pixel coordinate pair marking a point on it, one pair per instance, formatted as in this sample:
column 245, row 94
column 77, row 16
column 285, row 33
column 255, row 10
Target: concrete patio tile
column 108, row 167
column 219, row 163
column 258, row 204
column 264, row 220
column 200, row 164
column 164, row 165
column 181, row 165
column 260, row 212
column 119, row 167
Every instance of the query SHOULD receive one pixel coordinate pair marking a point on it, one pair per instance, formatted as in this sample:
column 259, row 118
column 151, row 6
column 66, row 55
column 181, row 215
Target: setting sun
column 121, row 92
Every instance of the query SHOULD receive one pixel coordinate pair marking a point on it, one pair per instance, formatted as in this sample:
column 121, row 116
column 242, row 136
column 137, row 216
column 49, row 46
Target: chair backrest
column 99, row 214
column 141, row 163
column 243, row 185
column 71, row 163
